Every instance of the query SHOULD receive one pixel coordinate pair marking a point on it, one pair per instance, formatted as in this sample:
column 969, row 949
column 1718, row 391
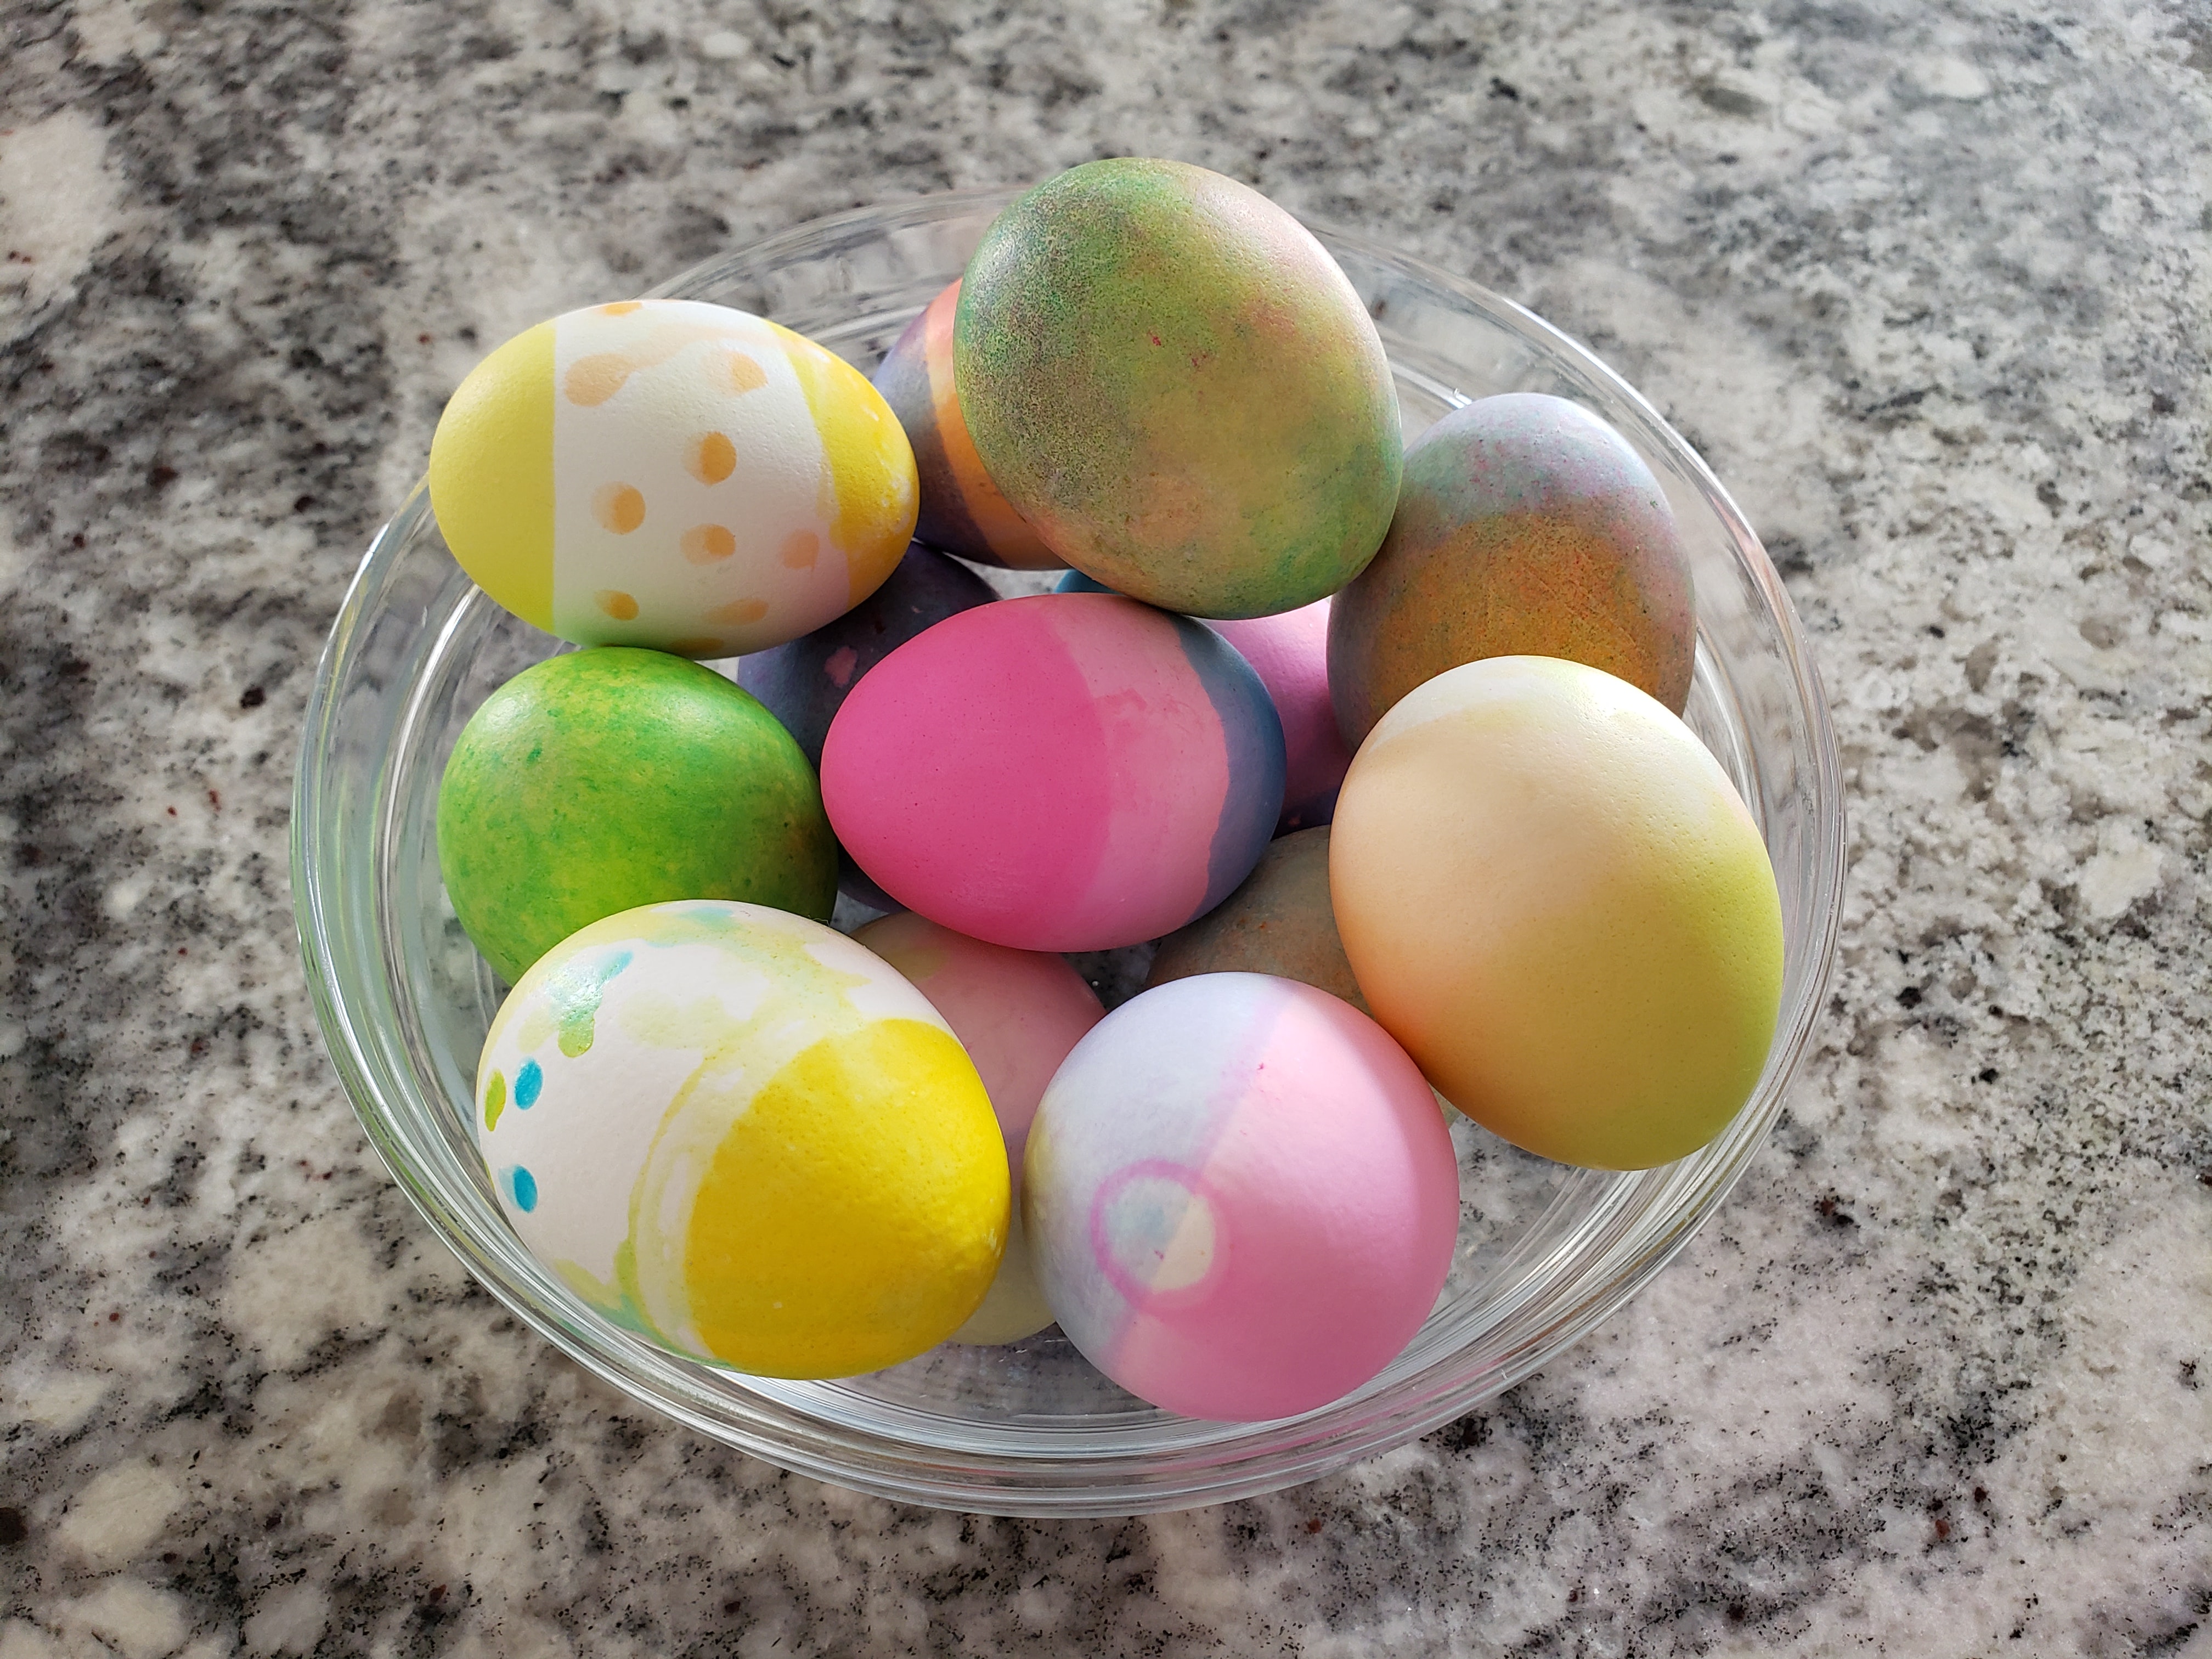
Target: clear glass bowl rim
column 1631, row 1247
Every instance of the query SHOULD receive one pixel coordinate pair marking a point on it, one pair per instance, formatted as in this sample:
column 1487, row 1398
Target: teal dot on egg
column 528, row 1080
column 522, row 1188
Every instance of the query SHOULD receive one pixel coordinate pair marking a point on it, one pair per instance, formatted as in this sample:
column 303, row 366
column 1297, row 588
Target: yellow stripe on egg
column 897, row 1109
column 491, row 475
column 870, row 496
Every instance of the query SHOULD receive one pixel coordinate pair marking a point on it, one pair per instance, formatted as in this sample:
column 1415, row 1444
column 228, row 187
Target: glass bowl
column 1545, row 1252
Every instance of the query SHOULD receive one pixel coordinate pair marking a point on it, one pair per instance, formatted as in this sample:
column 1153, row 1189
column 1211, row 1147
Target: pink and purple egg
column 1239, row 1197
column 1061, row 772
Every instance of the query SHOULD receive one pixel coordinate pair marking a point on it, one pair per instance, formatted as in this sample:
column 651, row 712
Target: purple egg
column 804, row 684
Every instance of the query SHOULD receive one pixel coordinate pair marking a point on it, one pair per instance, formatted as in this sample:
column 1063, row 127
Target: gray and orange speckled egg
column 963, row 511
column 1526, row 526
column 1279, row 922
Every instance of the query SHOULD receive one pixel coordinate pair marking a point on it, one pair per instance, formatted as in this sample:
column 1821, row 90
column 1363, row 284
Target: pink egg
column 1240, row 1197
column 1290, row 653
column 1063, row 772
column 1017, row 1013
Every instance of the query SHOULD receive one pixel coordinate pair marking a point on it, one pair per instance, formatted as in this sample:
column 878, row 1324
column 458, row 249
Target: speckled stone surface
column 1929, row 285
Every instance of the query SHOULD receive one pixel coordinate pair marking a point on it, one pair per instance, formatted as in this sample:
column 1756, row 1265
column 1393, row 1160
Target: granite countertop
column 1930, row 286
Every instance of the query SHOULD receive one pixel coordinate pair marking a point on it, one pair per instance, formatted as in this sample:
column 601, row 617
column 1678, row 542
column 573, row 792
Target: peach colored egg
column 1278, row 923
column 1017, row 1013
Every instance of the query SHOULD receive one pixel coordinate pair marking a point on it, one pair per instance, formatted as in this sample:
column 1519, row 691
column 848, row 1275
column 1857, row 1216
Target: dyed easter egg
column 804, row 684
column 1554, row 898
column 1290, row 653
column 665, row 473
column 742, row 1137
column 1526, row 526
column 1017, row 1013
column 1240, row 1196
column 961, row 510
column 1178, row 389
column 1278, row 923
column 1062, row 772
column 598, row 781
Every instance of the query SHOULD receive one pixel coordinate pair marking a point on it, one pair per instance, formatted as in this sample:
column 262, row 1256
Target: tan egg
column 1278, row 923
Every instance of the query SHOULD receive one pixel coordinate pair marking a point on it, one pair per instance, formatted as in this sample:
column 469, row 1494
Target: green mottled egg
column 602, row 780
column 1177, row 387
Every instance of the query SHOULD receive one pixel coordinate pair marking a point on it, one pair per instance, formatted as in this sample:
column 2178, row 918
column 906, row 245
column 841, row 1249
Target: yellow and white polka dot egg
column 672, row 474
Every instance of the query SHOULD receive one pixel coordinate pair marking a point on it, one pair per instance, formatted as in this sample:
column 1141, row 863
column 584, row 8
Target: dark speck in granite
column 1927, row 285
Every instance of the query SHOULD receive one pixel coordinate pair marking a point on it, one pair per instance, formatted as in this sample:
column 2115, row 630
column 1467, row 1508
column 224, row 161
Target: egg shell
column 1179, row 389
column 1240, row 1196
column 1017, row 1013
column 743, row 1137
column 1061, row 772
column 963, row 511
column 601, row 780
column 1554, row 898
column 1526, row 525
column 1278, row 923
column 1290, row 653
column 672, row 474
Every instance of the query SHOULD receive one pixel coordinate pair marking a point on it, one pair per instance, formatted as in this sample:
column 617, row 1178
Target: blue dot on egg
column 527, row 1082
column 522, row 1188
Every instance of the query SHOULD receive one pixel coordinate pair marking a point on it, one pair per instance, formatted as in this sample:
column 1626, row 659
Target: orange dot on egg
column 616, row 604
column 622, row 307
column 591, row 380
column 801, row 550
column 704, row 543
column 712, row 459
column 618, row 507
column 739, row 611
column 745, row 374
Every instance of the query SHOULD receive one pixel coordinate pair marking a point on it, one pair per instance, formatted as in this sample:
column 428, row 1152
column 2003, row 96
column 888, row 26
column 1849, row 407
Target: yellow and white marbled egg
column 672, row 474
column 745, row 1138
